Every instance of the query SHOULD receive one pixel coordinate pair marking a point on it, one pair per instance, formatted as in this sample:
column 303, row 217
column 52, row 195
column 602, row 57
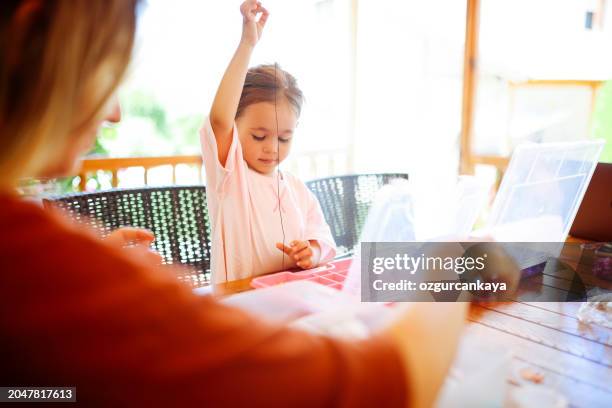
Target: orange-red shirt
column 75, row 311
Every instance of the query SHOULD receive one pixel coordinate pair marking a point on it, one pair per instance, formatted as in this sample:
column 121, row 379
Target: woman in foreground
column 76, row 311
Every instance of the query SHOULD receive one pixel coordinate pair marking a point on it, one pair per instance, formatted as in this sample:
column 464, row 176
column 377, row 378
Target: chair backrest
column 345, row 201
column 177, row 215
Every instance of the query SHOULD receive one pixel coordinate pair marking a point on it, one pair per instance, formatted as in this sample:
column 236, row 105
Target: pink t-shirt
column 244, row 209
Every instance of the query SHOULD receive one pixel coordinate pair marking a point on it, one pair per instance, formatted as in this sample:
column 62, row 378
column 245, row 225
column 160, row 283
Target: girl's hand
column 306, row 254
column 252, row 26
column 227, row 99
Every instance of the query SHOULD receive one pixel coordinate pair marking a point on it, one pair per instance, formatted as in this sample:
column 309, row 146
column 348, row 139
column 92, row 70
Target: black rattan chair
column 345, row 201
column 177, row 215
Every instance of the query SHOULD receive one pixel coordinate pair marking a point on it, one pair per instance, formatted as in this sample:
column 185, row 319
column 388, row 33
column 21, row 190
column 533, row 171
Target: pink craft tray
column 331, row 274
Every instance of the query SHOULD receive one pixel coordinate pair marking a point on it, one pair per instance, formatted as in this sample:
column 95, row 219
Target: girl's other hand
column 305, row 254
column 254, row 17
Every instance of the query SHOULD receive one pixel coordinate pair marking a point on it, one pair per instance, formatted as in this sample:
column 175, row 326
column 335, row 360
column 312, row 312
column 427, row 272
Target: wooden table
column 545, row 337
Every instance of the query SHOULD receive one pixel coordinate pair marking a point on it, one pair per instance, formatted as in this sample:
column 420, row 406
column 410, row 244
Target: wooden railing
column 311, row 169
column 313, row 159
column 115, row 164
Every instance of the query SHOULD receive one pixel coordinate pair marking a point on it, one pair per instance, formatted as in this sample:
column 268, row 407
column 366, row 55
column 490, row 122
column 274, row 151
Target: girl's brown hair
column 60, row 61
column 264, row 83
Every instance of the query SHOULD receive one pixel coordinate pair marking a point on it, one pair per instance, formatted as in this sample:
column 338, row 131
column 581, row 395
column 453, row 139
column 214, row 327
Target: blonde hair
column 264, row 83
column 60, row 61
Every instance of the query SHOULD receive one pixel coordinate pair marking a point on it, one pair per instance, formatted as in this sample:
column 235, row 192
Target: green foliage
column 602, row 120
column 139, row 104
column 186, row 133
column 145, row 130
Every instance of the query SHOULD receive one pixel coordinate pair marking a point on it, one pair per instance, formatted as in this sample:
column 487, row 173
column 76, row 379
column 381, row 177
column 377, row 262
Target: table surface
column 547, row 338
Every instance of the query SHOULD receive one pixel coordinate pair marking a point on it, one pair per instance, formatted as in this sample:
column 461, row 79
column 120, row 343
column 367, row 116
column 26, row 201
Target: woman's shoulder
column 20, row 214
column 28, row 227
column 34, row 235
column 44, row 244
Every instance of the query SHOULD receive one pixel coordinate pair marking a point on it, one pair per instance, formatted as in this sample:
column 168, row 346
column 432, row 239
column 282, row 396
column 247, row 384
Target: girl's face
column 262, row 147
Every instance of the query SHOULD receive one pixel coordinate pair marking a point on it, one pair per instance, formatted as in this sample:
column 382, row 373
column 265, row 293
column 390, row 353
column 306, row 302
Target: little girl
column 263, row 220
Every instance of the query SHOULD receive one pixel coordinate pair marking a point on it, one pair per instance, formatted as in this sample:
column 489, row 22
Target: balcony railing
column 305, row 165
column 114, row 165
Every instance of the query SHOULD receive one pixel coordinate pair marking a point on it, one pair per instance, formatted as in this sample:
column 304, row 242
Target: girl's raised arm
column 223, row 111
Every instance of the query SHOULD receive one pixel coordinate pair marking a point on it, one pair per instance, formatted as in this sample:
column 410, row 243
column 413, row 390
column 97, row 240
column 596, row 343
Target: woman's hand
column 127, row 236
column 305, row 254
column 426, row 335
column 254, row 17
column 136, row 240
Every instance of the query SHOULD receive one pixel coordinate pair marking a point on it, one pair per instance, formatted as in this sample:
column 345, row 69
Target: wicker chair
column 345, row 201
column 177, row 215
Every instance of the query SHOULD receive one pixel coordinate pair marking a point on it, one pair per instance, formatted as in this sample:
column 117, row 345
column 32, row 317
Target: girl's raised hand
column 254, row 17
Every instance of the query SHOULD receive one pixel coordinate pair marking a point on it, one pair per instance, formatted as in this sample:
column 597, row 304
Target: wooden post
column 354, row 5
column 470, row 71
column 593, row 103
column 82, row 181
column 114, row 179
column 313, row 165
